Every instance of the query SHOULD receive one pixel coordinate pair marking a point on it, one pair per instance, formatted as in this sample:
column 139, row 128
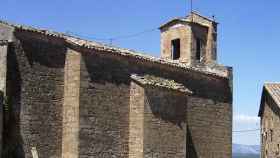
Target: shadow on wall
column 12, row 140
column 102, row 70
column 117, row 69
column 104, row 108
column 167, row 105
column 169, row 109
column 191, row 152
column 37, row 93
column 1, row 99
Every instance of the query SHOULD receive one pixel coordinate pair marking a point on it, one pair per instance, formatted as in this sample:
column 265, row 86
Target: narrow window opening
column 271, row 135
column 198, row 49
column 175, row 49
column 278, row 149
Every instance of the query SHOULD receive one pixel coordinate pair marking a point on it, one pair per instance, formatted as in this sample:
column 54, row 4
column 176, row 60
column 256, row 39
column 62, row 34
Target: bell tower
column 191, row 40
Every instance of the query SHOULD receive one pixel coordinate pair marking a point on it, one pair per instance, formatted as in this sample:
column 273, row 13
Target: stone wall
column 157, row 122
column 3, row 64
column 199, row 32
column 211, row 45
column 3, row 78
column 136, row 121
column 182, row 32
column 106, row 95
column 270, row 135
column 71, row 106
column 104, row 109
column 164, row 123
column 188, row 30
column 1, row 115
column 6, row 32
column 35, row 85
column 209, row 128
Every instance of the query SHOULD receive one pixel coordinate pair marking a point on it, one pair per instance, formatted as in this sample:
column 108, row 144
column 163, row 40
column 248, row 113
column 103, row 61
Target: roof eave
column 204, row 17
column 172, row 21
column 180, row 88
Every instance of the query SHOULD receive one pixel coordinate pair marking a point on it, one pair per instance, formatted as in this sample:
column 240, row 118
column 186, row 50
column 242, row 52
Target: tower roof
column 195, row 13
column 193, row 17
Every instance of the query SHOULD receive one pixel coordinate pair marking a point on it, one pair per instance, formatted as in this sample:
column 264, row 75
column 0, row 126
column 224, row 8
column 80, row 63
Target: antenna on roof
column 191, row 9
column 191, row 1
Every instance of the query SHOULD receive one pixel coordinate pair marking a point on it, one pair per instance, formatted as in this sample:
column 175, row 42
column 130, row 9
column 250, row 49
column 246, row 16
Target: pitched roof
column 160, row 82
column 76, row 41
column 272, row 89
column 178, row 19
column 204, row 17
column 187, row 19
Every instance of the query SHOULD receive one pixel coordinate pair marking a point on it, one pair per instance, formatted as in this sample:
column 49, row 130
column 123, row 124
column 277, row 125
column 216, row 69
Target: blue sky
column 248, row 36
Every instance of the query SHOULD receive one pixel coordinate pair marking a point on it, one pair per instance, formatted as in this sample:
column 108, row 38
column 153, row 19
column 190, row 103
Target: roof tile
column 161, row 82
column 274, row 90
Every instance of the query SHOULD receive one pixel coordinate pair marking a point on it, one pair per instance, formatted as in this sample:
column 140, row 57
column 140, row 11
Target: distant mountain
column 245, row 156
column 245, row 151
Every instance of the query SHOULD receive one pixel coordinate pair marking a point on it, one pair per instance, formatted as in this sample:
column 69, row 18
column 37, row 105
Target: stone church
column 66, row 97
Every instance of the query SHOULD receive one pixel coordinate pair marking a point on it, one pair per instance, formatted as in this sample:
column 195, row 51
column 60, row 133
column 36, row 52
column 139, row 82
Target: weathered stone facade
column 3, row 78
column 1, row 119
column 35, row 88
column 71, row 107
column 270, row 121
column 74, row 98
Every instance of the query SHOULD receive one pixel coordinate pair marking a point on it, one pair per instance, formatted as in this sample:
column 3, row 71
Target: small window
column 271, row 122
column 198, row 49
column 271, row 135
column 175, row 49
column 278, row 149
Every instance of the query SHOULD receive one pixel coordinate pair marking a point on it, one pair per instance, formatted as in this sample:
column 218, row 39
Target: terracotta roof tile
column 161, row 82
column 188, row 19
